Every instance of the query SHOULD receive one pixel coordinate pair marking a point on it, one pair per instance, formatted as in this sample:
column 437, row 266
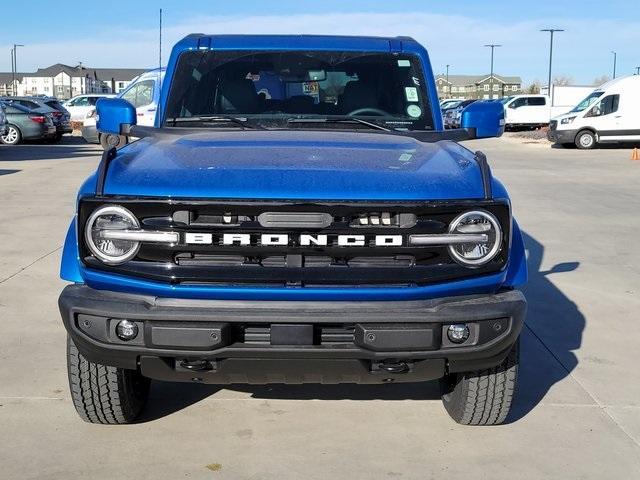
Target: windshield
column 271, row 87
column 587, row 102
column 505, row 100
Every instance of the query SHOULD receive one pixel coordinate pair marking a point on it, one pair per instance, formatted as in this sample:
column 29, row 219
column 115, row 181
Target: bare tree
column 601, row 79
column 534, row 87
column 562, row 80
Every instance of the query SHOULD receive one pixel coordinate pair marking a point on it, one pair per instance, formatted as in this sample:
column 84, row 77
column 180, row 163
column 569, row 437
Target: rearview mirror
column 115, row 116
column 485, row 118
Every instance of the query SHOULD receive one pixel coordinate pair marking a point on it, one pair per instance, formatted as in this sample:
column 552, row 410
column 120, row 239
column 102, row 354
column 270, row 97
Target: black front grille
column 294, row 264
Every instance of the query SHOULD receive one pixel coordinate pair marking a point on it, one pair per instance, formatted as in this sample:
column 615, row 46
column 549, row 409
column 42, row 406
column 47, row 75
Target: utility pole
column 615, row 62
column 552, row 31
column 14, row 87
column 492, row 46
column 448, row 84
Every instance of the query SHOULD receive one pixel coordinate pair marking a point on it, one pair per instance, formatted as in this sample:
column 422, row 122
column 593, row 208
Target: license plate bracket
column 288, row 334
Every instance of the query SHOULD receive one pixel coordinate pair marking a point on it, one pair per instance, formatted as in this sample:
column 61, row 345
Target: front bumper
column 562, row 136
column 228, row 341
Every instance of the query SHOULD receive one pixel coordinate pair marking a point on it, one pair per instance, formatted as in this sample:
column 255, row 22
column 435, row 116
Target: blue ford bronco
column 297, row 214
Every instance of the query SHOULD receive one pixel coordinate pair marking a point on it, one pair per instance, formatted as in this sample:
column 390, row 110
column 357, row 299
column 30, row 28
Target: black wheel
column 103, row 394
column 109, row 141
column 483, row 397
column 13, row 136
column 586, row 140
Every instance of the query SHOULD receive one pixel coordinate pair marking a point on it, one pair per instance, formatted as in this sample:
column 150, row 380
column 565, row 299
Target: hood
column 297, row 165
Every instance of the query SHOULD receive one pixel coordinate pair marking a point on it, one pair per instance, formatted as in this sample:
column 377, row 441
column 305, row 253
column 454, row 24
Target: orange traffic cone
column 635, row 155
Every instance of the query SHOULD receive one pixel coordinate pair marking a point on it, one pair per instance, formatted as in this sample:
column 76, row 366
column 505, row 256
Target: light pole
column 14, row 67
column 615, row 62
column 448, row 85
column 552, row 31
column 492, row 46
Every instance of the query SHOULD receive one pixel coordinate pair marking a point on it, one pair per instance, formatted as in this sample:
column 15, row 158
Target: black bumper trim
column 562, row 136
column 81, row 300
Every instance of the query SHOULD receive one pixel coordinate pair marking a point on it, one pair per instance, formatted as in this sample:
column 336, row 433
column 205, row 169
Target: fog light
column 126, row 330
column 458, row 333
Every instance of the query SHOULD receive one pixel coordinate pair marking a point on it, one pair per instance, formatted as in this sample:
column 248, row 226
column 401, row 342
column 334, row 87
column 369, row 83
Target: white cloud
column 582, row 51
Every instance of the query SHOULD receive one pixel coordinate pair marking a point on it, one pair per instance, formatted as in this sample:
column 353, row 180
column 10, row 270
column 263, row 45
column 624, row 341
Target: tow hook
column 394, row 367
column 196, row 365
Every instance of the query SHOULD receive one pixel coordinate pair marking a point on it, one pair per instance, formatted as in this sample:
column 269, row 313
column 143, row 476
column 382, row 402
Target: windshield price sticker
column 412, row 94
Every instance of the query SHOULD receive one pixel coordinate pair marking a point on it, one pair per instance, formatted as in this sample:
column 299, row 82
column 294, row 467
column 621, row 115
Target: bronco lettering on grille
column 283, row 239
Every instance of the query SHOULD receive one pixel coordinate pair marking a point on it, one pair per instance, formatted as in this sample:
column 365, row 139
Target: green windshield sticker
column 412, row 94
column 404, row 63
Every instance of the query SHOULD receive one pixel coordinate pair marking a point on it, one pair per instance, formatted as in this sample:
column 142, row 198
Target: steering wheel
column 375, row 111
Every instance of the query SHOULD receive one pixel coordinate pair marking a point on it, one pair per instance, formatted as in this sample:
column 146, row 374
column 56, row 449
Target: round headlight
column 480, row 224
column 109, row 218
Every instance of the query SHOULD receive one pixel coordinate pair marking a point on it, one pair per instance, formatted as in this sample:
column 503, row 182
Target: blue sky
column 453, row 31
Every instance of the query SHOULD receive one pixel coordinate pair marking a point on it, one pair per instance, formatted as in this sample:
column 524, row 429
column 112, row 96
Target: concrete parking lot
column 577, row 413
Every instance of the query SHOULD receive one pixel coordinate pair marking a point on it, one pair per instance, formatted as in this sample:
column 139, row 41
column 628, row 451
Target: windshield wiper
column 339, row 120
column 242, row 122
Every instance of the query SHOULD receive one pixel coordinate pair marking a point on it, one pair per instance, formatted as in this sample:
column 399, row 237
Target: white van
column 527, row 111
column 144, row 94
column 610, row 114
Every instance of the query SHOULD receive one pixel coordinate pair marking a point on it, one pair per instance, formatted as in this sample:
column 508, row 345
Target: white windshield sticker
column 414, row 111
column 412, row 94
column 404, row 63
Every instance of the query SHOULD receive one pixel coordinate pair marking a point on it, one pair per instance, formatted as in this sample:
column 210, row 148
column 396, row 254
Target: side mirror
column 115, row 116
column 486, row 119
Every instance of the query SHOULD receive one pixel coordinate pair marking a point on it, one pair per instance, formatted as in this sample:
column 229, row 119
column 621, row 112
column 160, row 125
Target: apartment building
column 64, row 81
column 477, row 86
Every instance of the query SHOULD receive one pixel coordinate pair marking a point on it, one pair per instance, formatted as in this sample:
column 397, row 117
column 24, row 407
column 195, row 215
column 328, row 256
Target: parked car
column 454, row 115
column 527, row 111
column 80, row 105
column 610, row 114
column 445, row 104
column 26, row 124
column 143, row 94
column 448, row 108
column 42, row 104
column 277, row 228
column 4, row 126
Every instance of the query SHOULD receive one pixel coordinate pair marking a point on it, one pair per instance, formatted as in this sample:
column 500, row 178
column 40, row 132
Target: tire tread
column 484, row 397
column 104, row 394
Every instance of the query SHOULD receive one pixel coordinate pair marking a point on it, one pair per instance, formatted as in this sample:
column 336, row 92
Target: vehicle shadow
column 552, row 334
column 69, row 147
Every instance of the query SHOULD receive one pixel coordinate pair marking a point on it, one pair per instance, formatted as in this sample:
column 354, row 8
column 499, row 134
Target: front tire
column 586, row 140
column 104, row 394
column 483, row 397
column 13, row 136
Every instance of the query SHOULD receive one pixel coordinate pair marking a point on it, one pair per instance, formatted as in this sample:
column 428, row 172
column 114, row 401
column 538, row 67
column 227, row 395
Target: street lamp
column 14, row 67
column 552, row 31
column 615, row 62
column 448, row 85
column 492, row 46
